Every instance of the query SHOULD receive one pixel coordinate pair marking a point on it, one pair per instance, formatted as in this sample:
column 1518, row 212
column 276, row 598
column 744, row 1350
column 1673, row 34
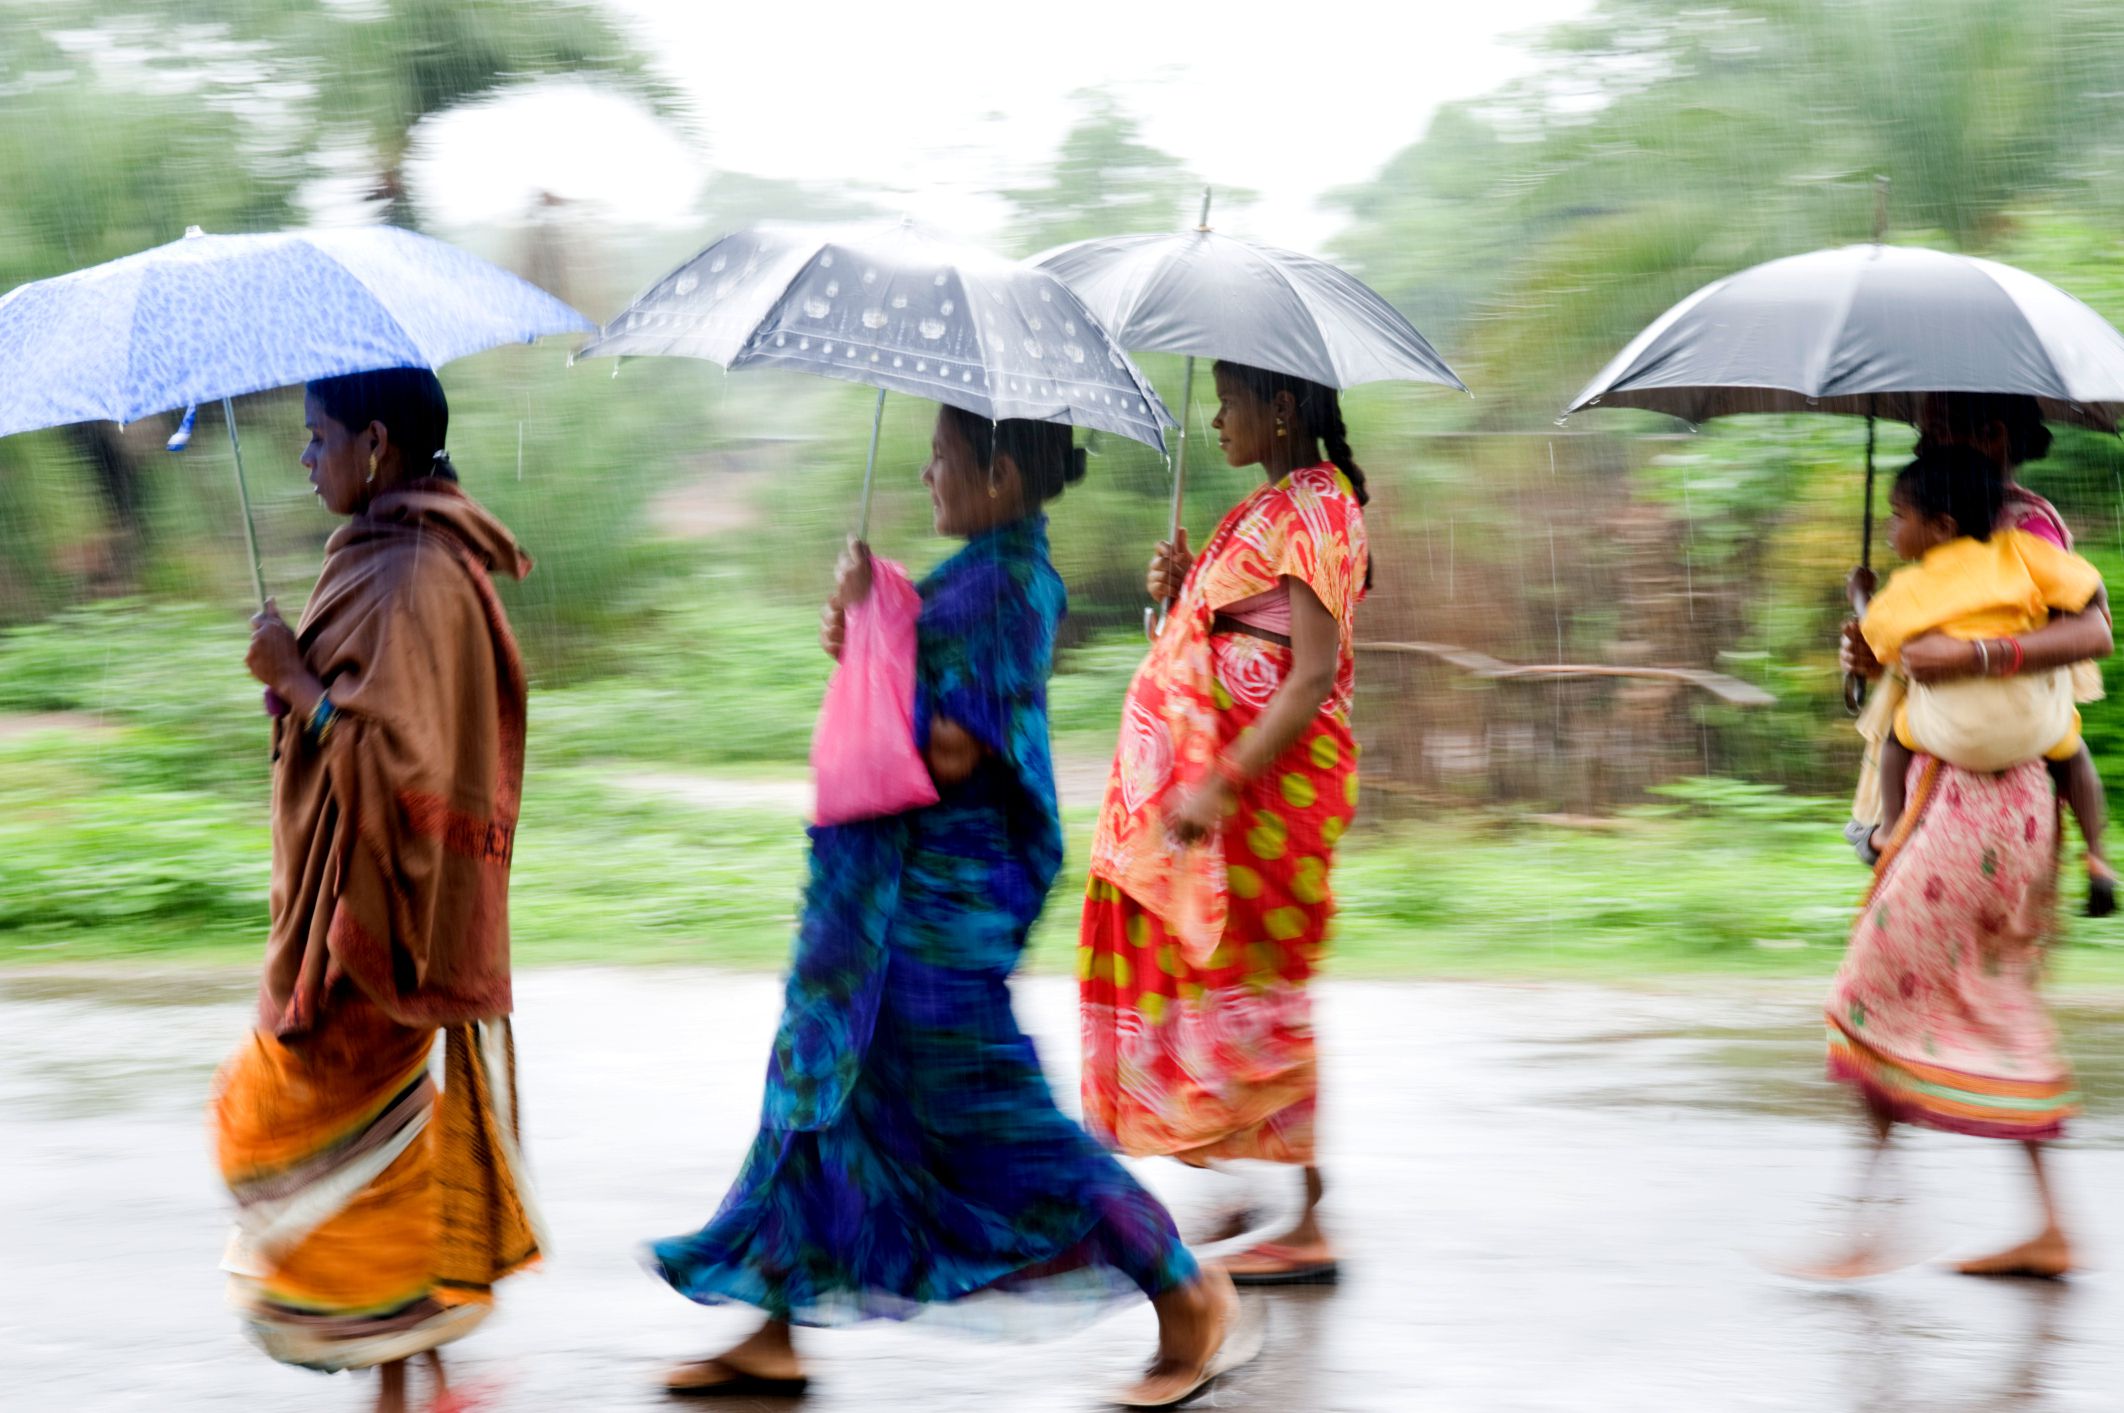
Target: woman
column 1934, row 1015
column 1235, row 777
column 909, row 1152
column 2009, row 430
column 374, row 1214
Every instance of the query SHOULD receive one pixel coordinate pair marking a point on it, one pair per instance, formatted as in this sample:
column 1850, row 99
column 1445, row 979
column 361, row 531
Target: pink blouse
column 1268, row 612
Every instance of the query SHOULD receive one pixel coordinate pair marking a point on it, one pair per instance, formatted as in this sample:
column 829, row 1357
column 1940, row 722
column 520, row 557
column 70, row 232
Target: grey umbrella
column 900, row 309
column 1869, row 330
column 1866, row 329
column 1207, row 295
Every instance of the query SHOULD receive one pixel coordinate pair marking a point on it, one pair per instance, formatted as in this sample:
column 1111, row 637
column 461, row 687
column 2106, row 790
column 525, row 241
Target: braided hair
column 1318, row 409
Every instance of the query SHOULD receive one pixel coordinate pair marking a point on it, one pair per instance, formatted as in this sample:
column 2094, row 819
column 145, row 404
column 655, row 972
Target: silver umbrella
column 900, row 309
column 1207, row 295
column 1869, row 330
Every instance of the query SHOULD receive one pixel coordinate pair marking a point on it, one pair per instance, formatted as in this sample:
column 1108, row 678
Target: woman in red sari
column 1235, row 777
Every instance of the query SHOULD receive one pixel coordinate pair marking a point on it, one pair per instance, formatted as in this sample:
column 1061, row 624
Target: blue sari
column 910, row 1152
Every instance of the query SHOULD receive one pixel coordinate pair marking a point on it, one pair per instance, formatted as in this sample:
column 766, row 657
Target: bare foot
column 2047, row 1257
column 1860, row 1262
column 1193, row 1322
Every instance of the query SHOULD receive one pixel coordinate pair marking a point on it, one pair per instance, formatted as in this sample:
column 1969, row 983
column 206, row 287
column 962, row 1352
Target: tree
column 122, row 130
column 1106, row 180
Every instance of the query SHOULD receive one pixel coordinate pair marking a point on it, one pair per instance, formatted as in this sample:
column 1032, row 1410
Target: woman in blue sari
column 910, row 1153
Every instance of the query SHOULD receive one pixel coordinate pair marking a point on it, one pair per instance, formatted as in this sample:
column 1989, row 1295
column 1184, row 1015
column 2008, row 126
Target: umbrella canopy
column 1866, row 329
column 900, row 309
column 1210, row 296
column 217, row 316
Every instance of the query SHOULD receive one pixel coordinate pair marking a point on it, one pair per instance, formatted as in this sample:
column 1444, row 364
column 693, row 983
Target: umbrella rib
column 2057, row 374
column 1833, row 335
column 428, row 359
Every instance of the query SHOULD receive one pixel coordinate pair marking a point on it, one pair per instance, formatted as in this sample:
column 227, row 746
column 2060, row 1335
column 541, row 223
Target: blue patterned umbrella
column 217, row 316
column 212, row 317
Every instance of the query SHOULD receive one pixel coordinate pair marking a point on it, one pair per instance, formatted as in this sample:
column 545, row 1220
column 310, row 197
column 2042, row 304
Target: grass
column 133, row 825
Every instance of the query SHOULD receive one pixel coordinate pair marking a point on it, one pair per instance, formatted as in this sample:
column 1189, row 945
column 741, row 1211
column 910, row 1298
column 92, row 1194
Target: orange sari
column 1193, row 965
column 375, row 1213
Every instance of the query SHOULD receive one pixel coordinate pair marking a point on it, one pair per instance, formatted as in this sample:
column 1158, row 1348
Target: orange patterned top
column 1307, row 526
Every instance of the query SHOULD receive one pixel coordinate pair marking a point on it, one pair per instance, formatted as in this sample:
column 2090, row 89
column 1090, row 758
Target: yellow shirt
column 1968, row 588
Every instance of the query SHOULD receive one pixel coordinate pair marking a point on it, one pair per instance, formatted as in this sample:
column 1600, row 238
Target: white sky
column 931, row 107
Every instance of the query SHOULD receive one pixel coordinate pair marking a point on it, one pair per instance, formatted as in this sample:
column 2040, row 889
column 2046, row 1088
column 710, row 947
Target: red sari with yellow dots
column 1193, row 964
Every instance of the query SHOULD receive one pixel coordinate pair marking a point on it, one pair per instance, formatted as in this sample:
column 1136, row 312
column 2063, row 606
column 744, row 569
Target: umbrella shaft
column 1866, row 544
column 870, row 467
column 1154, row 620
column 243, row 494
column 1187, row 398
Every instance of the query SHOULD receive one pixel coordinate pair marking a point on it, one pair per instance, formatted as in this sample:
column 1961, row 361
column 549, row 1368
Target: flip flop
column 2101, row 894
column 740, row 1384
column 1242, row 1342
column 1294, row 1269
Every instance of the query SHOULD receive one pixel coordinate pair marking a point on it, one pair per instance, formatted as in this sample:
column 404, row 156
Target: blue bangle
column 323, row 717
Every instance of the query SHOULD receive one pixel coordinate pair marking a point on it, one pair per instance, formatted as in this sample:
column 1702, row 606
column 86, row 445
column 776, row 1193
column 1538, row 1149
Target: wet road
column 1551, row 1198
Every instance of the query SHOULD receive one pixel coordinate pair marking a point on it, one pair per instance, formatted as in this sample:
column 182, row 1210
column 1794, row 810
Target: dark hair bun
column 2034, row 443
column 1078, row 464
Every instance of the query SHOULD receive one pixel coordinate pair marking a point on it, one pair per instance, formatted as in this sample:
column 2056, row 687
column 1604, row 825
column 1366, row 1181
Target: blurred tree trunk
column 116, row 465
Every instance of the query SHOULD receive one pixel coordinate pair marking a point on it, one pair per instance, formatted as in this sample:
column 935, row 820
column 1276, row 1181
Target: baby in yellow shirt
column 1985, row 588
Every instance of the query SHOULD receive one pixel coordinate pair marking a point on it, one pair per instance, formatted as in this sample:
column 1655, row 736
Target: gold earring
column 1280, row 431
column 372, row 466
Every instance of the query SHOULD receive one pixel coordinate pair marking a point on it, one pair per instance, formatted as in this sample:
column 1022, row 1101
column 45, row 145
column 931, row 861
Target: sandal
column 2101, row 891
column 1243, row 1337
column 1859, row 836
column 737, row 1383
column 1284, row 1266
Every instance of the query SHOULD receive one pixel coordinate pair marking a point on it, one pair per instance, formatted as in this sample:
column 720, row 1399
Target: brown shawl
column 392, row 841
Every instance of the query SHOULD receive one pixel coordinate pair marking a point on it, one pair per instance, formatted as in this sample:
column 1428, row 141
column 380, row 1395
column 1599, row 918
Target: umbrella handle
column 1854, row 693
column 1154, row 618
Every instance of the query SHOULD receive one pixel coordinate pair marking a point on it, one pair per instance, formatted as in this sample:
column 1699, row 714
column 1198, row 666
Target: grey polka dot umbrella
column 900, row 309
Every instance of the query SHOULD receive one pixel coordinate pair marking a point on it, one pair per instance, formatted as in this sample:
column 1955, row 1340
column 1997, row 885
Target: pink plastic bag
column 864, row 761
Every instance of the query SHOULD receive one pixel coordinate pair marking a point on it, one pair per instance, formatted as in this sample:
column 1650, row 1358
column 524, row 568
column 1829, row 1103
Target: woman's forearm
column 2066, row 639
column 1290, row 711
column 1315, row 642
column 952, row 754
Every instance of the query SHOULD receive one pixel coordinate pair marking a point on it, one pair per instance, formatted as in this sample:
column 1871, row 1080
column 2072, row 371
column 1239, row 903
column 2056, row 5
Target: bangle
column 1228, row 771
column 2019, row 657
column 1983, row 659
column 323, row 717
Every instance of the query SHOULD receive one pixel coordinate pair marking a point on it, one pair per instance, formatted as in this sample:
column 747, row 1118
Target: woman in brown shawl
column 376, row 1210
